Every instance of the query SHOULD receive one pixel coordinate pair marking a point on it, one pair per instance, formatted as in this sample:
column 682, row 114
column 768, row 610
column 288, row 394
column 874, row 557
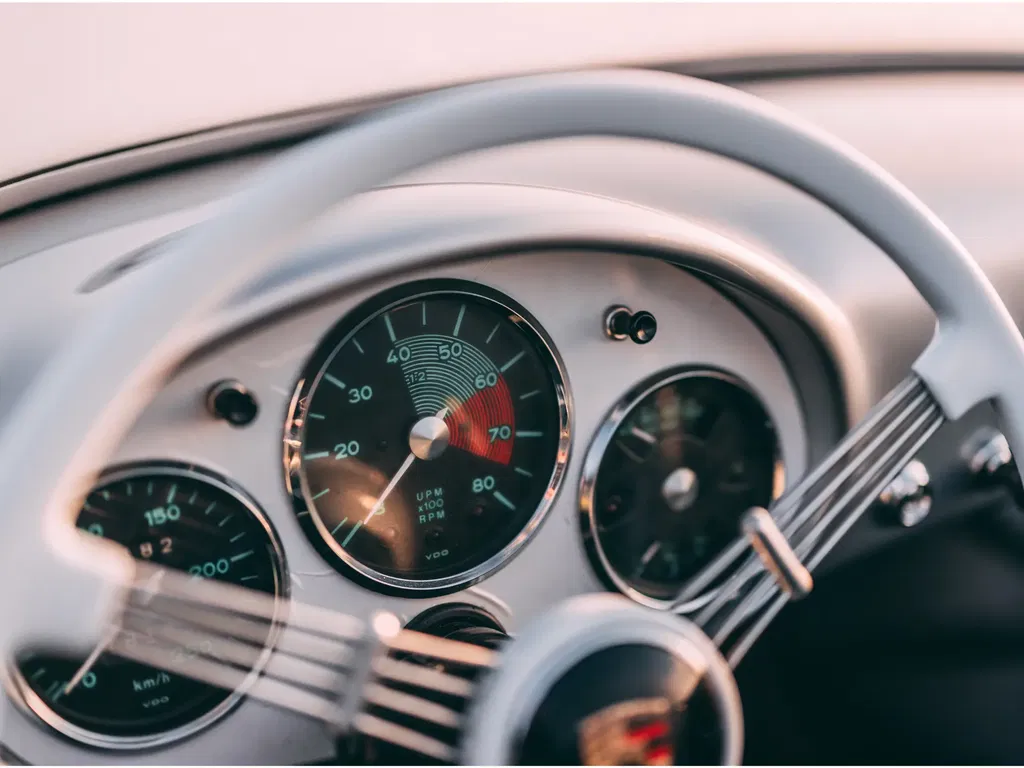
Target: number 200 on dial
column 432, row 429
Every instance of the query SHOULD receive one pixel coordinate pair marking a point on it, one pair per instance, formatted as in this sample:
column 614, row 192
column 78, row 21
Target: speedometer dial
column 181, row 518
column 428, row 436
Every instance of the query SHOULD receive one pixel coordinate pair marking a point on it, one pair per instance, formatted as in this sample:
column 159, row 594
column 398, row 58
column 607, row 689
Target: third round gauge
column 669, row 475
column 428, row 435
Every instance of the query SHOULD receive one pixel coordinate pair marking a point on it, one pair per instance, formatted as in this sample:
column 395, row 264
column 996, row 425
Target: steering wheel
column 78, row 411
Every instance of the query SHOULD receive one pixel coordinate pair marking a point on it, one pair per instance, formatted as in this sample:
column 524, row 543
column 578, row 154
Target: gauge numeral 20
column 346, row 450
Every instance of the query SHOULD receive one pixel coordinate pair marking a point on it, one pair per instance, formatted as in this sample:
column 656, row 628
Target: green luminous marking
column 236, row 538
column 149, row 488
column 351, row 534
column 39, row 673
column 512, row 362
column 249, row 578
column 338, row 527
column 105, row 495
column 323, row 492
column 335, row 381
column 128, row 488
column 315, row 416
column 320, row 455
column 501, row 497
column 490, row 335
column 242, row 556
column 358, row 346
column 170, row 493
column 209, row 509
column 192, row 498
column 391, row 330
column 458, row 323
column 524, row 433
column 52, row 689
column 224, row 522
column 529, row 394
column 424, row 305
column 523, row 472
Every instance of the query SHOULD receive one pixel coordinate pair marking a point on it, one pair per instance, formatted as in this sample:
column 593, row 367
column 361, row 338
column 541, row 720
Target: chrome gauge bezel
column 26, row 698
column 336, row 337
column 592, row 464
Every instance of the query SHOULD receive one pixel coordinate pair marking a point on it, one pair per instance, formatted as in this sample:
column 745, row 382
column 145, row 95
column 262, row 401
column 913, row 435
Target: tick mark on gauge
column 242, row 556
column 358, row 346
column 512, row 362
column 424, row 306
column 639, row 434
column 528, row 433
column 335, row 381
column 351, row 534
column 209, row 509
column 318, row 416
column 236, row 538
column 192, row 498
column 149, row 488
column 490, row 335
column 224, row 522
column 322, row 493
column 38, row 673
column 458, row 323
column 170, row 493
column 529, row 394
column 391, row 330
column 320, row 455
column 128, row 488
column 105, row 495
column 523, row 472
column 501, row 497
column 338, row 526
column 249, row 578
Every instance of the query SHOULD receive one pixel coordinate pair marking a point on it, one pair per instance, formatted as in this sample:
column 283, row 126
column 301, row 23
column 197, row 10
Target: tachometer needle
column 428, row 439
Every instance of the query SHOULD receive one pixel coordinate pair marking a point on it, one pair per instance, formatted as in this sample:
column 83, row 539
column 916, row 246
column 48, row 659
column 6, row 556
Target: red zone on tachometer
column 485, row 424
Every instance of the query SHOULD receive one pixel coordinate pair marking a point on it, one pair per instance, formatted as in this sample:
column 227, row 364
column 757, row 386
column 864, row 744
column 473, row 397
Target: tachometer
column 187, row 520
column 669, row 475
column 428, row 436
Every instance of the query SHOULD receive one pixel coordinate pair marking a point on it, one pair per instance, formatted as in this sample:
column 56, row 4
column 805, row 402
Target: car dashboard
column 585, row 407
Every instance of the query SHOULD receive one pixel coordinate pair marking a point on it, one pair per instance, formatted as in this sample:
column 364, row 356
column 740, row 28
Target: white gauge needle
column 428, row 439
column 93, row 658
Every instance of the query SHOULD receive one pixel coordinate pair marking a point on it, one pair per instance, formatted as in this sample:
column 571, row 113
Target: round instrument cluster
column 428, row 436
column 177, row 517
column 669, row 475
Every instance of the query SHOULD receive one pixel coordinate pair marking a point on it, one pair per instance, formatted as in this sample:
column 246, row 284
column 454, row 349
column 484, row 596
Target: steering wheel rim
column 145, row 334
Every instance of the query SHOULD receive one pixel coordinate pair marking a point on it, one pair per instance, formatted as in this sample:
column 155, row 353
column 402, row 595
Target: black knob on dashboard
column 620, row 323
column 231, row 401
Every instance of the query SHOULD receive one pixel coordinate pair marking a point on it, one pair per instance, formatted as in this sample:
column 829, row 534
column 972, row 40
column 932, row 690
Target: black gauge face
column 680, row 463
column 183, row 520
column 433, row 429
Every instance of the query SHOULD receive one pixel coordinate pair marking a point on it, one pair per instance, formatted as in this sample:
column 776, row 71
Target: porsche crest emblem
column 637, row 732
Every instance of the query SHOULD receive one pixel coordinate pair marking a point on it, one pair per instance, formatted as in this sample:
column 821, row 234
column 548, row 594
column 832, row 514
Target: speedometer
column 178, row 517
column 428, row 436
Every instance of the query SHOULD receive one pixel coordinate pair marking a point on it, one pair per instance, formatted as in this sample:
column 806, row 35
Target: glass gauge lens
column 184, row 520
column 678, row 463
column 433, row 430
